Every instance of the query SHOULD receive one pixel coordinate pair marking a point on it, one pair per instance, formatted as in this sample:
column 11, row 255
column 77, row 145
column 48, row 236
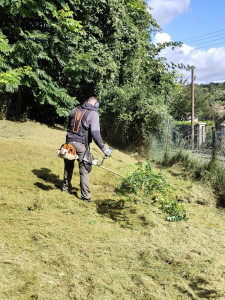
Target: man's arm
column 95, row 131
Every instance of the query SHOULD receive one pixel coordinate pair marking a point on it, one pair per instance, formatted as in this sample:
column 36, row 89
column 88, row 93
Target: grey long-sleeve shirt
column 90, row 122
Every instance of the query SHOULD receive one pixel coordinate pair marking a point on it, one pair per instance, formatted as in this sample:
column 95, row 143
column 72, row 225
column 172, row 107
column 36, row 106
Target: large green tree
column 42, row 36
column 61, row 52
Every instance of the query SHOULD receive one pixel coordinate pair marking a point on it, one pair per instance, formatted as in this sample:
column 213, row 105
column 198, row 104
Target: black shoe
column 86, row 200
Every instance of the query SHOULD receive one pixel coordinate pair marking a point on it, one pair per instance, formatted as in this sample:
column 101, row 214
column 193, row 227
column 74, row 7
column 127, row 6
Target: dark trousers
column 84, row 175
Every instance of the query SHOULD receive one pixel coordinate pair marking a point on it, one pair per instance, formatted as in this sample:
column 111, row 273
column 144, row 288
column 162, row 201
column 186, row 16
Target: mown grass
column 210, row 172
column 54, row 246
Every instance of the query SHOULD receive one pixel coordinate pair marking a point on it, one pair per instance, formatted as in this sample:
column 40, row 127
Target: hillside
column 54, row 246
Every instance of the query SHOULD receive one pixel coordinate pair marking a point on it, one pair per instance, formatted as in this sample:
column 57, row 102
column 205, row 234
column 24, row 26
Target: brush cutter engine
column 67, row 151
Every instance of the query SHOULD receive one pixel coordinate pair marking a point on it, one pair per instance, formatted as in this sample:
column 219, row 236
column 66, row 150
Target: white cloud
column 209, row 64
column 164, row 11
column 162, row 37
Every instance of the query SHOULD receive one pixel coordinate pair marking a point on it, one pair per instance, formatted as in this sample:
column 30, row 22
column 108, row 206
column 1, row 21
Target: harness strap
column 77, row 121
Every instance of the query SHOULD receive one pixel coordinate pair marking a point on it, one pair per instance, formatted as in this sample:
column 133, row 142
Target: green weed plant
column 147, row 184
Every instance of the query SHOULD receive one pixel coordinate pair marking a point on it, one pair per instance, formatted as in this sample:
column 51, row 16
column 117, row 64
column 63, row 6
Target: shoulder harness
column 78, row 118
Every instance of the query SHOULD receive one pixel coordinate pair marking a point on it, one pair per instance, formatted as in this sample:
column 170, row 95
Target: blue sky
column 202, row 17
column 183, row 20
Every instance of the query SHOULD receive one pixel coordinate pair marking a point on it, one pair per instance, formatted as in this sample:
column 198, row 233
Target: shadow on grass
column 199, row 290
column 221, row 200
column 46, row 175
column 111, row 208
column 43, row 186
column 203, row 292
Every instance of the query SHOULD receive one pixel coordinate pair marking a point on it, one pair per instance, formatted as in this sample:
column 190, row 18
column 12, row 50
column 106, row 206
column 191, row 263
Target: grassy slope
column 53, row 246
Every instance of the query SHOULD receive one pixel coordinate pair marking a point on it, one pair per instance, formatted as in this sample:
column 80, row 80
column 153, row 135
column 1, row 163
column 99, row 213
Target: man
column 82, row 127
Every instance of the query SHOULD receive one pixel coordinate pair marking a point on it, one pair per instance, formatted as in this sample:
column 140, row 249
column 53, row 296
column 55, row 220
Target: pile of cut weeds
column 149, row 185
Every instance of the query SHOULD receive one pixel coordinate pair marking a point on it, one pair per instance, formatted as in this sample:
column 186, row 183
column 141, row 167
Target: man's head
column 93, row 101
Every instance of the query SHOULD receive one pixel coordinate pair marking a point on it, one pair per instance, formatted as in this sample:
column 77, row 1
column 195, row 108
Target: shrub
column 147, row 184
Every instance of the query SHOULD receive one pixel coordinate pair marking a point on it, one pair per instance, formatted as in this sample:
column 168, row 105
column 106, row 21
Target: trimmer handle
column 95, row 161
column 105, row 156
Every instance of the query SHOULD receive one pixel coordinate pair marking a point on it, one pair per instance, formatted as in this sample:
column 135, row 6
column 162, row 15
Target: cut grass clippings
column 53, row 246
column 211, row 172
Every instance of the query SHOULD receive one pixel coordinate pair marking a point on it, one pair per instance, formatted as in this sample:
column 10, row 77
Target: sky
column 200, row 25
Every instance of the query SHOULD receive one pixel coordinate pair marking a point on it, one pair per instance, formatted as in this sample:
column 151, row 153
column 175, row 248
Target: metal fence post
column 222, row 129
column 214, row 152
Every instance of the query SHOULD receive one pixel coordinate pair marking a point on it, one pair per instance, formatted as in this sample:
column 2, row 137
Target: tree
column 206, row 98
column 41, row 36
column 65, row 51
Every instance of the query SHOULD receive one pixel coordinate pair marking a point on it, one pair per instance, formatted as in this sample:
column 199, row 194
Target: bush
column 147, row 184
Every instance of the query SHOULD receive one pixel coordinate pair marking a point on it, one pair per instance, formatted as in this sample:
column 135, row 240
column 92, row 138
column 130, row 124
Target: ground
column 54, row 246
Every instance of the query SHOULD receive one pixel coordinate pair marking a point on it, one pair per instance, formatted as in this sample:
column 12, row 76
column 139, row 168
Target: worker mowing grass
column 83, row 126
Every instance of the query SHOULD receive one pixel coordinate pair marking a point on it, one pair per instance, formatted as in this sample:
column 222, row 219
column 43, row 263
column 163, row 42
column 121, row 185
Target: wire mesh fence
column 208, row 143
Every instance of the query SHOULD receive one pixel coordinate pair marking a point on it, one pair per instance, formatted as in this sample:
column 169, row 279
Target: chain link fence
column 208, row 144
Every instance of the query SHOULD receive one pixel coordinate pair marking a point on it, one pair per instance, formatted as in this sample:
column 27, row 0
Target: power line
column 208, row 38
column 211, row 45
column 192, row 50
column 197, row 37
column 209, row 41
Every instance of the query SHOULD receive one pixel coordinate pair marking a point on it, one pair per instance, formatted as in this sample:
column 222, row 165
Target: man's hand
column 108, row 151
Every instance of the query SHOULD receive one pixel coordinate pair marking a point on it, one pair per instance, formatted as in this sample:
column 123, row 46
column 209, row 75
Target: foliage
column 181, row 104
column 184, row 123
column 39, row 41
column 144, row 182
column 208, row 123
column 9, row 78
column 216, row 90
column 207, row 99
column 75, row 49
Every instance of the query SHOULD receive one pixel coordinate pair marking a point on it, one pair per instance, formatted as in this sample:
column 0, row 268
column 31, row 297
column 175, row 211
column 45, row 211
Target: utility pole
column 192, row 107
